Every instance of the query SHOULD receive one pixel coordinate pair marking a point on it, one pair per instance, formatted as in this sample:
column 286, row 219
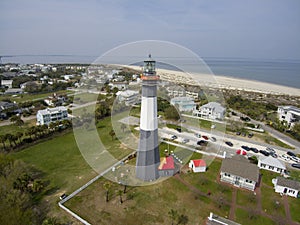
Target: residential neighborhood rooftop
column 240, row 166
column 288, row 183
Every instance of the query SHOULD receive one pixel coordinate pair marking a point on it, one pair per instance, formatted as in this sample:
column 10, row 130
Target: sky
column 260, row 29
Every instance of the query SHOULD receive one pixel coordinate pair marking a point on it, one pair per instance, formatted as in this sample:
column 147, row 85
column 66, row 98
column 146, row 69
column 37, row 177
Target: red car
column 204, row 137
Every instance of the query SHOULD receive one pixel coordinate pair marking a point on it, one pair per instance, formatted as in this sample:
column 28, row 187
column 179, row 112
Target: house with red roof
column 167, row 166
column 197, row 165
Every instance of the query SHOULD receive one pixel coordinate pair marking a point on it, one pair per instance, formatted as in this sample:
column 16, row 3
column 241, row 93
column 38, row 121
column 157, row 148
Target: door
column 237, row 181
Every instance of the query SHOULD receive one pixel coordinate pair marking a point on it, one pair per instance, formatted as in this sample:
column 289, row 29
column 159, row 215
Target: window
column 271, row 167
column 292, row 191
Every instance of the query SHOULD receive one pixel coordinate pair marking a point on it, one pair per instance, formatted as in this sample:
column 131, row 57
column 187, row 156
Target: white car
column 285, row 157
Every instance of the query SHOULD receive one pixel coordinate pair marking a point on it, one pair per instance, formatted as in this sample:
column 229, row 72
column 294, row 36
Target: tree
column 17, row 120
column 9, row 137
column 107, row 186
column 173, row 214
column 182, row 219
column 3, row 138
column 296, row 128
column 172, row 113
column 19, row 135
column 112, row 134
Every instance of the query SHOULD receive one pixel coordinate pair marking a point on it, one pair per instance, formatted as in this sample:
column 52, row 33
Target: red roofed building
column 197, row 165
column 167, row 166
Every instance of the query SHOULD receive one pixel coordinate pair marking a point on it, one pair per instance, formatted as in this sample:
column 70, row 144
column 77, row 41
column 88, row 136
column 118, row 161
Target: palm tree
column 112, row 134
column 173, row 214
column 9, row 137
column 107, row 186
column 182, row 219
column 3, row 138
column 19, row 136
column 14, row 138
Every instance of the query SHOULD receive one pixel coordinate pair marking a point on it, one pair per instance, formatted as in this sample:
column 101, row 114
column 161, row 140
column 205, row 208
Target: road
column 220, row 143
column 282, row 137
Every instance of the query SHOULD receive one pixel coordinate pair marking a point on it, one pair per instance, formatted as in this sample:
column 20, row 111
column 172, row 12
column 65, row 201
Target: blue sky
column 267, row 29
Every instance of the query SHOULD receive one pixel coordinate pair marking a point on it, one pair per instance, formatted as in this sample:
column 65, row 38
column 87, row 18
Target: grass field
column 63, row 166
column 33, row 97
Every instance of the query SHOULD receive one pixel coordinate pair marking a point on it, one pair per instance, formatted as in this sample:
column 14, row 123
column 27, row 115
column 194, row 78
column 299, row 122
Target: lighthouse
column 148, row 158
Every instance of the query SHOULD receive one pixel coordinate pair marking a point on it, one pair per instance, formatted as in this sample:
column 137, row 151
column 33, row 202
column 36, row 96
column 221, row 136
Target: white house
column 129, row 97
column 197, row 165
column 272, row 164
column 7, row 83
column 184, row 103
column 211, row 110
column 175, row 91
column 192, row 91
column 288, row 114
column 214, row 219
column 50, row 115
column 286, row 187
column 239, row 172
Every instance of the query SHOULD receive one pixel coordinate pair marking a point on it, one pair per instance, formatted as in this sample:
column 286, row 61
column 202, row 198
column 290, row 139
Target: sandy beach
column 225, row 82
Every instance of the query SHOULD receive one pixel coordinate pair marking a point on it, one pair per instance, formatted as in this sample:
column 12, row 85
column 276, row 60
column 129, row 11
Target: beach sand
column 225, row 82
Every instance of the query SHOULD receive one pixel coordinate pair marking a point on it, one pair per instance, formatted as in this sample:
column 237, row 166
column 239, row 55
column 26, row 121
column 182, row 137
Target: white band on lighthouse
column 148, row 120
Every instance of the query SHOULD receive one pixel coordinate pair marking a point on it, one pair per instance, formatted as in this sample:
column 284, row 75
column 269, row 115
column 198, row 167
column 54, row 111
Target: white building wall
column 148, row 110
column 242, row 182
column 269, row 167
column 286, row 191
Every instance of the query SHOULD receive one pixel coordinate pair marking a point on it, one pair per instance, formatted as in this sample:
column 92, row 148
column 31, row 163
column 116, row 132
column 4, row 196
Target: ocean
column 282, row 72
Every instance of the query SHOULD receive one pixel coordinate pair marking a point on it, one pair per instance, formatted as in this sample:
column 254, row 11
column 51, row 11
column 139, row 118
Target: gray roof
column 268, row 160
column 215, row 106
column 240, row 166
column 288, row 183
column 290, row 108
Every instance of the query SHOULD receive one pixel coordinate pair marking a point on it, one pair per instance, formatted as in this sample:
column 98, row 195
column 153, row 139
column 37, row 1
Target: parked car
column 178, row 129
column 265, row 153
column 296, row 165
column 250, row 135
column 204, row 137
column 213, row 139
column 285, row 157
column 185, row 140
column 238, row 133
column 173, row 137
column 202, row 143
column 198, row 135
column 270, row 149
column 63, row 196
column 244, row 134
column 228, row 143
column 291, row 154
column 273, row 154
column 245, row 147
column 295, row 159
column 254, row 149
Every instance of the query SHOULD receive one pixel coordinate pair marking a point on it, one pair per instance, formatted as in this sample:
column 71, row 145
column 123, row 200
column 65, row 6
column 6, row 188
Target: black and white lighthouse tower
column 148, row 158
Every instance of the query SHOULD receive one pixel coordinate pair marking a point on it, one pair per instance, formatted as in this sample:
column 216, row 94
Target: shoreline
column 223, row 82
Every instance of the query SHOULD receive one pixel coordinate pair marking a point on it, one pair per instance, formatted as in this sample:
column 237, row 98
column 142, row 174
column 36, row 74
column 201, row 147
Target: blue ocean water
column 282, row 72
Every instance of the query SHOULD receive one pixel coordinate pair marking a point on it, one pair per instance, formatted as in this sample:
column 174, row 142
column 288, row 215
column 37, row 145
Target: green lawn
column 244, row 217
column 246, row 198
column 294, row 204
column 61, row 162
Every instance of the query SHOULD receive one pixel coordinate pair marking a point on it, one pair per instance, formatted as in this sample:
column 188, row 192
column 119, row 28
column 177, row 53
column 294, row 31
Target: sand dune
column 217, row 81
